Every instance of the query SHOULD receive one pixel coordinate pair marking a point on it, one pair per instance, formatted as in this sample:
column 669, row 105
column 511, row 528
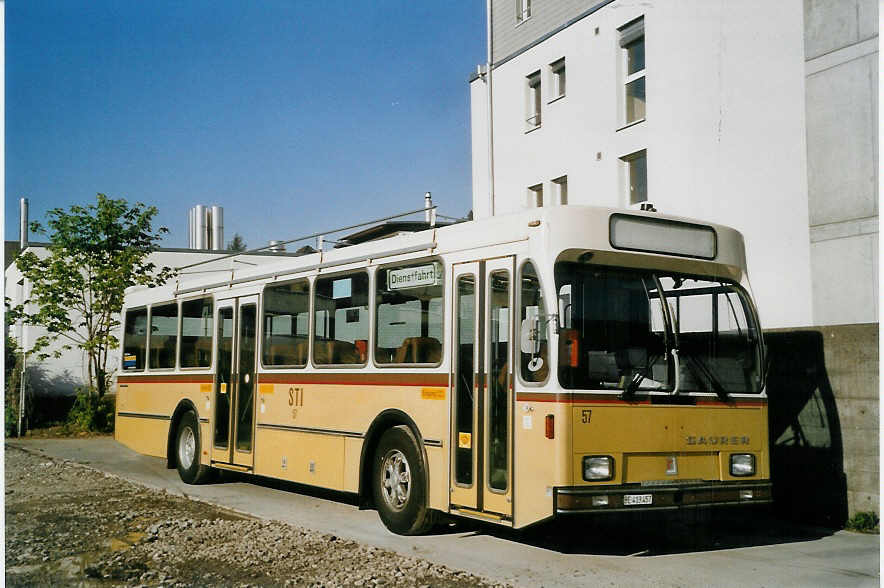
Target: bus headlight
column 742, row 464
column 598, row 467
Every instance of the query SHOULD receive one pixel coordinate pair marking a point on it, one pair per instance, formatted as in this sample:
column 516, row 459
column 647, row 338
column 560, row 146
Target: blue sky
column 293, row 116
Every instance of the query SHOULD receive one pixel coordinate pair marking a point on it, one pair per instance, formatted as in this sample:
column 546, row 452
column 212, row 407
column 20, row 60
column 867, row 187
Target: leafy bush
column 91, row 413
column 864, row 522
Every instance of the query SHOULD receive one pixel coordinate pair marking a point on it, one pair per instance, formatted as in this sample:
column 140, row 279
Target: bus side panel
column 306, row 458
column 352, row 454
column 292, row 413
column 541, row 463
column 142, row 435
column 438, row 473
column 144, row 413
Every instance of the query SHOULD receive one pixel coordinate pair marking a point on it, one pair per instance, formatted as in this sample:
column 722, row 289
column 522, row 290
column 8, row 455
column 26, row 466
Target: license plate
column 633, row 499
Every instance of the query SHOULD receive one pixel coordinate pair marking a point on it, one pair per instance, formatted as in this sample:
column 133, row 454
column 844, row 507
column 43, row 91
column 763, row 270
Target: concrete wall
column 851, row 355
column 724, row 130
column 824, row 411
column 841, row 51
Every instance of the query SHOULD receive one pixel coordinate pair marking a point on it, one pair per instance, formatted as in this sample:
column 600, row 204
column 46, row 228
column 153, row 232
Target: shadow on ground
column 652, row 535
column 638, row 534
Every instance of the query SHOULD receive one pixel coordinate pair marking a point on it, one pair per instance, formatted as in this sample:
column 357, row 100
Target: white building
column 841, row 52
column 695, row 106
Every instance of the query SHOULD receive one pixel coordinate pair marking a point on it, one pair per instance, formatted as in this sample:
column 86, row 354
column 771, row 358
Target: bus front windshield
column 629, row 329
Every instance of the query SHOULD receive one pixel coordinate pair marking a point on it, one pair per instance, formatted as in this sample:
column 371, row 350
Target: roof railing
column 319, row 234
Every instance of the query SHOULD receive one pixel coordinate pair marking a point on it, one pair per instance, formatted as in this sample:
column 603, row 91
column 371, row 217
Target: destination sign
column 414, row 277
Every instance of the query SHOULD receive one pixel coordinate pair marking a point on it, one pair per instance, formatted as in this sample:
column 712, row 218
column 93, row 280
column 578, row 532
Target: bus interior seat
column 164, row 356
column 286, row 350
column 335, row 352
column 419, row 350
column 202, row 350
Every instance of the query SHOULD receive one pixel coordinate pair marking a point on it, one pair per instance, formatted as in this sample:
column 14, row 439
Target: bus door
column 236, row 353
column 482, row 397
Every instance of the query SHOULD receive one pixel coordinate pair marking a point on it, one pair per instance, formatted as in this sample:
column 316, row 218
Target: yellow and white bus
column 559, row 360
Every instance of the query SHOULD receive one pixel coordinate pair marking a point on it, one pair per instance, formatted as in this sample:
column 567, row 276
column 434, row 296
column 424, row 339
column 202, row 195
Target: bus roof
column 613, row 236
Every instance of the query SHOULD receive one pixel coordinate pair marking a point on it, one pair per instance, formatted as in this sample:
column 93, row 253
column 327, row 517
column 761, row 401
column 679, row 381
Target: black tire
column 187, row 451
column 401, row 501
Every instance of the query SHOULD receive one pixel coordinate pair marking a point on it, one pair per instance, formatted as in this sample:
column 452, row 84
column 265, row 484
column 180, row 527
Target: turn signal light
column 550, row 426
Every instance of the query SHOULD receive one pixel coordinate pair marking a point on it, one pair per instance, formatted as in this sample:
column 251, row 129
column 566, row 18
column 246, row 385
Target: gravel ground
column 67, row 524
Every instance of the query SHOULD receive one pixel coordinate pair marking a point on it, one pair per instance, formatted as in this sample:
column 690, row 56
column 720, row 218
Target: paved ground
column 641, row 552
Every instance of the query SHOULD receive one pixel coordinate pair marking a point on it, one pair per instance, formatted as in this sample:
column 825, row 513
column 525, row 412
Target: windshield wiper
column 637, row 378
column 713, row 381
column 632, row 385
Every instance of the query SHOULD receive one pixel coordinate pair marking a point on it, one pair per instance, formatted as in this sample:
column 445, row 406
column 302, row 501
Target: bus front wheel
column 187, row 451
column 400, row 483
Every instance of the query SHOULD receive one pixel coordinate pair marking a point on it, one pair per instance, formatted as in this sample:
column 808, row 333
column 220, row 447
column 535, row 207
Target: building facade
column 841, row 52
column 695, row 106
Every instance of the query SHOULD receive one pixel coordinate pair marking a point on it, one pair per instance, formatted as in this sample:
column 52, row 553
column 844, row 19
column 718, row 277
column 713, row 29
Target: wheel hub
column 396, row 486
column 186, row 448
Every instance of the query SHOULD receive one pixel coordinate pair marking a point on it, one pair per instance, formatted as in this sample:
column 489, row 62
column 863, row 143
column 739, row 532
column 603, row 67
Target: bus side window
column 163, row 335
column 135, row 340
column 534, row 366
column 341, row 320
column 409, row 314
column 196, row 333
column 286, row 318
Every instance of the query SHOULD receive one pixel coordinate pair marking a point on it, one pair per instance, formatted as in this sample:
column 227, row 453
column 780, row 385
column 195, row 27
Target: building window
column 523, row 11
column 535, row 196
column 632, row 44
column 636, row 176
column 560, row 185
column 557, row 78
column 532, row 102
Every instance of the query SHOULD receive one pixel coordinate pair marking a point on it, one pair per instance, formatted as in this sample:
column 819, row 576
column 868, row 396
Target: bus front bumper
column 637, row 497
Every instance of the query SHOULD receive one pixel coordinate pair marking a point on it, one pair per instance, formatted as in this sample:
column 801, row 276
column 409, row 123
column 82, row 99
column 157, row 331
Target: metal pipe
column 190, row 228
column 201, row 228
column 217, row 228
column 488, row 33
column 23, row 224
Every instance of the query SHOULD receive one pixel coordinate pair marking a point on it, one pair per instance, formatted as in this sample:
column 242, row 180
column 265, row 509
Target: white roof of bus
column 560, row 229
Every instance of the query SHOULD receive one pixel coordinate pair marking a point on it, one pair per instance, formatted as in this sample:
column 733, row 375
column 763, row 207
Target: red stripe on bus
column 741, row 403
column 578, row 398
column 364, row 379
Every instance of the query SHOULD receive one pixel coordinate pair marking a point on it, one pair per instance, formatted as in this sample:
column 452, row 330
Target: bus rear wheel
column 187, row 451
column 400, row 483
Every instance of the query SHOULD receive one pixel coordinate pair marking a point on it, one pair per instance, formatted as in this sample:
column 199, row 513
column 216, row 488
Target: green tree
column 95, row 252
column 236, row 244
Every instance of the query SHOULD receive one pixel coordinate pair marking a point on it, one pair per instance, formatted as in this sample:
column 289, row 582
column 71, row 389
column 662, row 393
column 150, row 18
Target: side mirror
column 529, row 340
